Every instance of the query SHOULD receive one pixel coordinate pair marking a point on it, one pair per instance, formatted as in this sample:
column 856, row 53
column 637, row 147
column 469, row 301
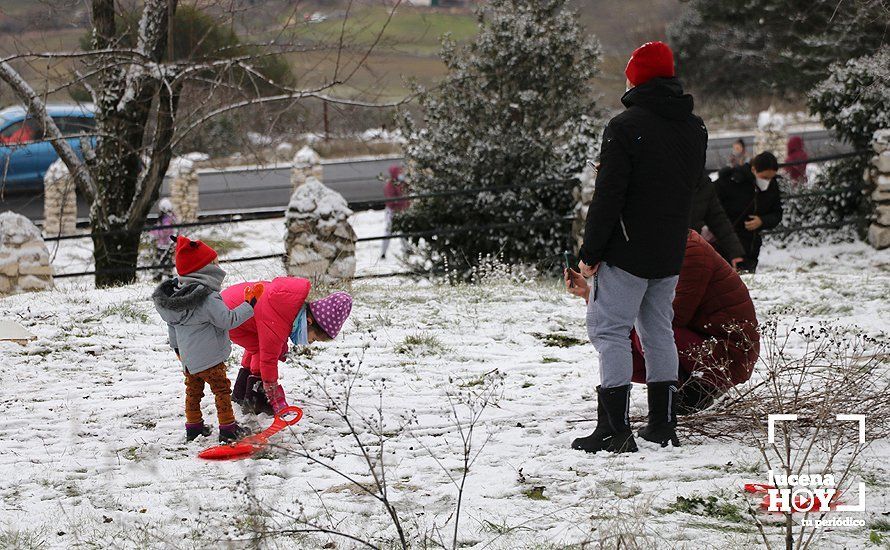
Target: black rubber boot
column 612, row 431
column 255, row 401
column 693, row 396
column 662, row 426
column 232, row 432
column 239, row 390
column 194, row 431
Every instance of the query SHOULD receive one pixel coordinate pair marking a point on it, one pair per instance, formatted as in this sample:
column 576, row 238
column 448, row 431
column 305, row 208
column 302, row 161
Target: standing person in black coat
column 751, row 198
column 707, row 211
column 652, row 159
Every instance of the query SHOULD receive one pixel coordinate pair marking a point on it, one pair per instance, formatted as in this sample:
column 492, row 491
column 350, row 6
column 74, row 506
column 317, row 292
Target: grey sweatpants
column 618, row 302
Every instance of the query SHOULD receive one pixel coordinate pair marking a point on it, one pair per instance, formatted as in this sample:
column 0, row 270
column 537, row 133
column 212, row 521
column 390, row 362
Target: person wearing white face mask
column 751, row 198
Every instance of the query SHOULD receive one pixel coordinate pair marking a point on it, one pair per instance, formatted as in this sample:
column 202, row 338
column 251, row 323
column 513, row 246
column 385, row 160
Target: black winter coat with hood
column 741, row 198
column 651, row 161
column 707, row 210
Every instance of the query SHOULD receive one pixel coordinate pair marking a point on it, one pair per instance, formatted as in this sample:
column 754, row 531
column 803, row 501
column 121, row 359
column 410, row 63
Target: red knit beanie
column 192, row 255
column 651, row 60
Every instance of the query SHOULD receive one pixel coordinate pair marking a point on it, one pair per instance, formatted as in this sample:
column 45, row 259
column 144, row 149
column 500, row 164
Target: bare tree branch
column 37, row 106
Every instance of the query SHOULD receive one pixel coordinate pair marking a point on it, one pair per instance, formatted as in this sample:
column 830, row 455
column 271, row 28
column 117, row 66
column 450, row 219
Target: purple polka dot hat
column 331, row 312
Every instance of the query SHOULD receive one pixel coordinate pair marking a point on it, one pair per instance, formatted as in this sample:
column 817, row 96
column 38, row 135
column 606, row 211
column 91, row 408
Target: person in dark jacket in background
column 715, row 327
column 751, row 198
column 797, row 173
column 707, row 211
column 651, row 160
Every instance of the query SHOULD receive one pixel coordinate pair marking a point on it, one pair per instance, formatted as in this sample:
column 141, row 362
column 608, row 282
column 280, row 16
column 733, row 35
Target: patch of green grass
column 713, row 506
column 223, row 245
column 558, row 340
column 421, row 344
column 126, row 311
column 536, row 493
column 147, row 423
column 479, row 380
column 880, row 524
column 742, row 467
column 411, row 30
column 622, row 490
column 23, row 539
column 875, row 538
column 546, row 360
column 131, row 454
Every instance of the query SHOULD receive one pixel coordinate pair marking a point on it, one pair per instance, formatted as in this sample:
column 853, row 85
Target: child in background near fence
column 198, row 322
column 162, row 237
column 394, row 188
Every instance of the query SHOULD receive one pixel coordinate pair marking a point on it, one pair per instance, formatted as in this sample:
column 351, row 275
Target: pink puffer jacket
column 264, row 337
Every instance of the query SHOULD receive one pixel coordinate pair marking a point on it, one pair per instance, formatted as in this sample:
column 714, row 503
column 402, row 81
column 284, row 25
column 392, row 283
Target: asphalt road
column 251, row 189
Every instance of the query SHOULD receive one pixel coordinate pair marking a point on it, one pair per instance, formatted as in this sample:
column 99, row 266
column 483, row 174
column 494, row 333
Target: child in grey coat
column 198, row 322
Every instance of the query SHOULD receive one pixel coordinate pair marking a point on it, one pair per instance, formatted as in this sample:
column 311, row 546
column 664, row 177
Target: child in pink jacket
column 282, row 313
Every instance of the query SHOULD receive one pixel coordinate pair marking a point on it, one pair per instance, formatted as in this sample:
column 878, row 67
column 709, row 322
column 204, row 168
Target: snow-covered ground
column 92, row 446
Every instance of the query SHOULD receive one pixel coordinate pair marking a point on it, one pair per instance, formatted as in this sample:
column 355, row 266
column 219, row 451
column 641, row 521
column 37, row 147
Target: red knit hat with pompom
column 192, row 255
column 651, row 60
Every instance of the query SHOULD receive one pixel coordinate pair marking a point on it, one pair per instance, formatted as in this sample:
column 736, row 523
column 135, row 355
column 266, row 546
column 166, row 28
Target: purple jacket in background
column 162, row 236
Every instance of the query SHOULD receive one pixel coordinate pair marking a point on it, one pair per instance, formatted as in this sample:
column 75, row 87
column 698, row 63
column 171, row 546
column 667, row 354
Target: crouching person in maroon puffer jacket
column 715, row 327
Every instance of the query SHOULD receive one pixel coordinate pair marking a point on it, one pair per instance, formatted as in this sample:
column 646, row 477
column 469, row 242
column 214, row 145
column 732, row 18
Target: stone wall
column 184, row 189
column 307, row 164
column 583, row 194
column 320, row 242
column 878, row 175
column 24, row 259
column 59, row 201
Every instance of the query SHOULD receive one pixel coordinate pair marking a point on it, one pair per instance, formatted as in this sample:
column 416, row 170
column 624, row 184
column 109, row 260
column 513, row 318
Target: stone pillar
column 878, row 176
column 184, row 189
column 59, row 201
column 307, row 164
column 320, row 242
column 583, row 195
column 284, row 151
column 771, row 134
column 24, row 259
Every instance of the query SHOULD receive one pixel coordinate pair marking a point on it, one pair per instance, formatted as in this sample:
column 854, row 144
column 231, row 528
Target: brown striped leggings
column 219, row 384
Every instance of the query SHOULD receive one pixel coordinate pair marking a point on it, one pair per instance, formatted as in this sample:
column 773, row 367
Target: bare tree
column 138, row 90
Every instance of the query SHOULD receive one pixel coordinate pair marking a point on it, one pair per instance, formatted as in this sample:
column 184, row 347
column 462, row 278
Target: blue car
column 25, row 155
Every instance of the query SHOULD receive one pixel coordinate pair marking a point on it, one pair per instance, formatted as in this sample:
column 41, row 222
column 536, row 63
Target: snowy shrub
column 515, row 108
column 854, row 102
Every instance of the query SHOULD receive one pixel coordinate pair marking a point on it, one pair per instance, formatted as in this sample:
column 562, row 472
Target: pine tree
column 515, row 108
column 758, row 47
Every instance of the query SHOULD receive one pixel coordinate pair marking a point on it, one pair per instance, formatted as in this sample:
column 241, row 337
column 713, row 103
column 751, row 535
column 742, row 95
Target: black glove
column 255, row 400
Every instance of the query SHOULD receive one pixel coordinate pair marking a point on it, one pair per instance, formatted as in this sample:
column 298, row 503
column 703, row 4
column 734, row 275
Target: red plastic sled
column 800, row 502
column 253, row 443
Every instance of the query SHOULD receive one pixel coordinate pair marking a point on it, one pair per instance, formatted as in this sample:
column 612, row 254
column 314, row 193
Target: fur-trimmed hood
column 174, row 302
